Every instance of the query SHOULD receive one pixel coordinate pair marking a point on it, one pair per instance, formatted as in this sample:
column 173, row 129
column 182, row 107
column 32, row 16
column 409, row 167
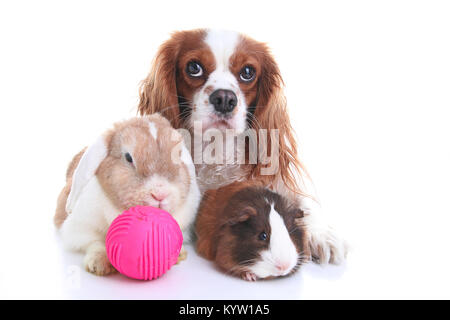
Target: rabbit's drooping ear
column 86, row 170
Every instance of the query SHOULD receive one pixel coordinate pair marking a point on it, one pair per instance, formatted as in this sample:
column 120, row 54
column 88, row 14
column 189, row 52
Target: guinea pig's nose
column 223, row 101
column 282, row 266
column 159, row 195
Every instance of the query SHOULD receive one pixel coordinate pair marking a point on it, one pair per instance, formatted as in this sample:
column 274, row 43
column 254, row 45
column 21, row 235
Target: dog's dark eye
column 247, row 73
column 262, row 236
column 128, row 157
column 194, row 69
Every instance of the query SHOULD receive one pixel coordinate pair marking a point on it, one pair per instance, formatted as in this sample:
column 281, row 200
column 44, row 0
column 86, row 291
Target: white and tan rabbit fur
column 141, row 161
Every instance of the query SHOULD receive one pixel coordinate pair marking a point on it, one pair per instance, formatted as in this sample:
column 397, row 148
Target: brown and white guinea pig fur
column 251, row 232
column 140, row 161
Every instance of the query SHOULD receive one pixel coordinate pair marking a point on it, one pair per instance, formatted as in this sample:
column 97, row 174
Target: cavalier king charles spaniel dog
column 203, row 80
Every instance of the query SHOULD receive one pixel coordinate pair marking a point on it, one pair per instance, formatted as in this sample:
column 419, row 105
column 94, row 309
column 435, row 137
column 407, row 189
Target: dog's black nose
column 223, row 101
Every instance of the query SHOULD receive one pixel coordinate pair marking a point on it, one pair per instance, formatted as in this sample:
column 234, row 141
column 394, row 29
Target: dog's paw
column 97, row 263
column 326, row 246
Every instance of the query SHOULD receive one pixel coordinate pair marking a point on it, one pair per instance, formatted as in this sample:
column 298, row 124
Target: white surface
column 368, row 89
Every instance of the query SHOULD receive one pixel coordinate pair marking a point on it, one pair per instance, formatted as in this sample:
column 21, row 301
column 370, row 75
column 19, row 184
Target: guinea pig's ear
column 298, row 213
column 86, row 170
column 242, row 215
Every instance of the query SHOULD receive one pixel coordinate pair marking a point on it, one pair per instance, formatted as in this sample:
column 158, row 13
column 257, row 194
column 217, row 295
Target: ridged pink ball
column 143, row 242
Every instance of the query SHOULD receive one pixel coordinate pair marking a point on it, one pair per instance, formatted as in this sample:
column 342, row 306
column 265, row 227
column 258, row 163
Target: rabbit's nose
column 159, row 196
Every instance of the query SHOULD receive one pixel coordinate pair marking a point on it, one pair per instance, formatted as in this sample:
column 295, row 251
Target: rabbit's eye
column 128, row 157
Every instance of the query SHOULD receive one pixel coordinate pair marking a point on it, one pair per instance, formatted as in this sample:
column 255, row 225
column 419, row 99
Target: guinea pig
column 251, row 232
column 140, row 161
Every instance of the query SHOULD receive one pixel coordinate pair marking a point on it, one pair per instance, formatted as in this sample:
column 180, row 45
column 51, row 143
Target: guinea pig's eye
column 128, row 157
column 262, row 236
column 194, row 69
column 247, row 74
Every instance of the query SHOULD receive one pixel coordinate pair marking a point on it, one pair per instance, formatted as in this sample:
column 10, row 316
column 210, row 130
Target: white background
column 368, row 86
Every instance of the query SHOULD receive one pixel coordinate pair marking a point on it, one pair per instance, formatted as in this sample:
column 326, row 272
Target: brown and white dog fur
column 190, row 71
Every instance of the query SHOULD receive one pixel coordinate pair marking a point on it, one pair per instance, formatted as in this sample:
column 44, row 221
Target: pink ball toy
column 143, row 242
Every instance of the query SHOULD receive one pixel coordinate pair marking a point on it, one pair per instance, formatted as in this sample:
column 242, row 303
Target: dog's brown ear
column 158, row 92
column 271, row 113
column 270, row 83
